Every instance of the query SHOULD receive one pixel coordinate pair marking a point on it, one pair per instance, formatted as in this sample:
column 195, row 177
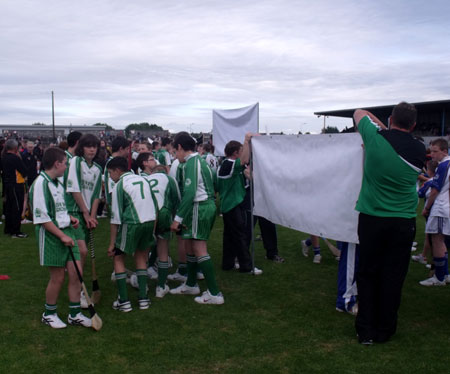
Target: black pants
column 385, row 249
column 234, row 240
column 14, row 195
column 268, row 234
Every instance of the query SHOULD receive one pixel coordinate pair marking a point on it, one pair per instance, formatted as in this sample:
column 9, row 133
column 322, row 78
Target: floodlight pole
column 53, row 117
column 252, row 221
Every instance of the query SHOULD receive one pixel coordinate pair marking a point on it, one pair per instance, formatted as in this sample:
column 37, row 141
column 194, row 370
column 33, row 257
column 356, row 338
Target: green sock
column 206, row 266
column 74, row 308
column 50, row 309
column 153, row 256
column 142, row 282
column 163, row 270
column 121, row 280
column 182, row 269
column 191, row 270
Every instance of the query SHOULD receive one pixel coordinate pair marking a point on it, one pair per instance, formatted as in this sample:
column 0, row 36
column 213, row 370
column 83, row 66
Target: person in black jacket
column 30, row 161
column 14, row 174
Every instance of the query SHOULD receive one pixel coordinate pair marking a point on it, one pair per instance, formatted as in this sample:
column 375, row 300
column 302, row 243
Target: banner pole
column 252, row 221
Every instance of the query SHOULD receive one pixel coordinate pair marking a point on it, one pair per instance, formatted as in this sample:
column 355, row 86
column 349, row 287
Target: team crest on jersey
column 37, row 212
column 69, row 183
column 188, row 182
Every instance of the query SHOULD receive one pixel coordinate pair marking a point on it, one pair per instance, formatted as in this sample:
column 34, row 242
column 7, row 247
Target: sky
column 172, row 62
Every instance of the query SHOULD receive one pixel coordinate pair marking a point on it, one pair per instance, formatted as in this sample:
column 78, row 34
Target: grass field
column 283, row 321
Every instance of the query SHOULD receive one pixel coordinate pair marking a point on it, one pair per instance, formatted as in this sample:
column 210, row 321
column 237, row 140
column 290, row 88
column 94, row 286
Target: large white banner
column 233, row 124
column 309, row 182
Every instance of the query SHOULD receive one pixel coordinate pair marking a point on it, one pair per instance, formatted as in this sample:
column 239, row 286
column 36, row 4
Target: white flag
column 233, row 124
column 309, row 182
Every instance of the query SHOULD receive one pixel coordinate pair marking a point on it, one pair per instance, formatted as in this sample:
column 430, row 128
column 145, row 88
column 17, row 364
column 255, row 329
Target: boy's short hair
column 207, row 147
column 165, row 141
column 87, row 140
column 159, row 168
column 441, row 143
column 404, row 115
column 231, row 147
column 154, row 145
column 120, row 163
column 142, row 158
column 186, row 141
column 119, row 142
column 73, row 137
column 51, row 155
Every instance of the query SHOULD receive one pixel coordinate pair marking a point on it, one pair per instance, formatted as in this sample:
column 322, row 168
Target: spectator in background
column 30, row 161
column 14, row 174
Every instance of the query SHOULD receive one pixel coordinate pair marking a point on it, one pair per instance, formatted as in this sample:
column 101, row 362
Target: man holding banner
column 386, row 227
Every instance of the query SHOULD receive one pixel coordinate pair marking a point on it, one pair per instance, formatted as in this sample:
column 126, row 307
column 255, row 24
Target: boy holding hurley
column 133, row 215
column 55, row 234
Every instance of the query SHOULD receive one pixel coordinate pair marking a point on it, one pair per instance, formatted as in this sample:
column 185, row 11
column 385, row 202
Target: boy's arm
column 53, row 229
column 83, row 208
column 189, row 190
column 246, row 149
column 426, row 209
column 112, row 239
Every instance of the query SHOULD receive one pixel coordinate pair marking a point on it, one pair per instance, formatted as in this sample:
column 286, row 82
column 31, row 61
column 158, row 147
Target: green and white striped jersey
column 85, row 179
column 165, row 190
column 163, row 157
column 108, row 182
column 48, row 202
column 198, row 184
column 211, row 161
column 132, row 201
column 69, row 157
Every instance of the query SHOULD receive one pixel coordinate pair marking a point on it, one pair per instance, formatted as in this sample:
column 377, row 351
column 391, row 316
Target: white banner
column 233, row 124
column 309, row 182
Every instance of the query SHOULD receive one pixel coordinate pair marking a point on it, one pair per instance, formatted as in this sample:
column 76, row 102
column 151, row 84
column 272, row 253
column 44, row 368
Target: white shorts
column 438, row 225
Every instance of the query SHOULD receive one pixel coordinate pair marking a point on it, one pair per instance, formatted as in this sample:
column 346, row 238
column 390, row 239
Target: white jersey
column 85, row 179
column 163, row 188
column 441, row 205
column 173, row 168
column 132, row 201
column 48, row 202
column 212, row 162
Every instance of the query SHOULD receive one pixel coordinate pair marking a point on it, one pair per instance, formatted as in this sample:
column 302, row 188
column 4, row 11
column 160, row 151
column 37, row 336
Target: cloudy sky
column 171, row 62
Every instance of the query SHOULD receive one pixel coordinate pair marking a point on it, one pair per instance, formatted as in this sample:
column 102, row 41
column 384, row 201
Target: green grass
column 281, row 322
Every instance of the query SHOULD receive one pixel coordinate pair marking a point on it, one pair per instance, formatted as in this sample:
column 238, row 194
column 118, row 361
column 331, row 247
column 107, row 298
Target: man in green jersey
column 196, row 215
column 133, row 215
column 54, row 231
column 386, row 227
column 231, row 187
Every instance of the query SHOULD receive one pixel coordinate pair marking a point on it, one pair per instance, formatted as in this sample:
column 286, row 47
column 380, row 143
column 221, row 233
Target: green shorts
column 81, row 232
column 133, row 237
column 164, row 221
column 199, row 223
column 52, row 252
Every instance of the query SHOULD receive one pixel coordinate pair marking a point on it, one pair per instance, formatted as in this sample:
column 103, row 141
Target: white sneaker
column 177, row 277
column 200, row 275
column 144, row 303
column 414, row 244
column 433, row 281
column 447, row 279
column 184, row 289
column 419, row 258
column 134, row 281
column 152, row 272
column 83, row 302
column 79, row 320
column 161, row 292
column 413, row 249
column 53, row 321
column 317, row 259
column 122, row 307
column 207, row 298
column 25, row 221
column 236, row 264
column 256, row 271
column 305, row 248
column 428, row 266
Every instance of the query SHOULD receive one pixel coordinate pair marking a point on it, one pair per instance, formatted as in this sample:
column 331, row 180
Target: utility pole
column 53, row 118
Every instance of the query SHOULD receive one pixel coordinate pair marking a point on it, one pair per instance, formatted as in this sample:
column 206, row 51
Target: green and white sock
column 206, row 266
column 74, row 308
column 121, row 281
column 191, row 270
column 50, row 309
column 163, row 270
column 142, row 282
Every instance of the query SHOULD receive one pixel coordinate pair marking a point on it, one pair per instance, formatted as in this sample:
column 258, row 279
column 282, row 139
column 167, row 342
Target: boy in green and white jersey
column 196, row 215
column 72, row 141
column 55, row 233
column 133, row 215
column 210, row 159
column 165, row 190
column 163, row 155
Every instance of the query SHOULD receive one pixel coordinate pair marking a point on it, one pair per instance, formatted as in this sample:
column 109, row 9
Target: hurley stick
column 96, row 294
